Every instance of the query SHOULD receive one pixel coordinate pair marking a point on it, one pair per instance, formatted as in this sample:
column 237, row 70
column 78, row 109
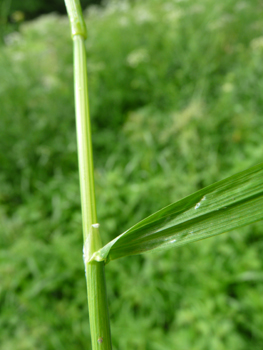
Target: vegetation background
column 176, row 103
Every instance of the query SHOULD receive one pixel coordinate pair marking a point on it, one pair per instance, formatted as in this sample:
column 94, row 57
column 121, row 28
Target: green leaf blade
column 224, row 206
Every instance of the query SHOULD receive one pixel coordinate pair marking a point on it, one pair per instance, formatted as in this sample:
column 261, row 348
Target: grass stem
column 95, row 276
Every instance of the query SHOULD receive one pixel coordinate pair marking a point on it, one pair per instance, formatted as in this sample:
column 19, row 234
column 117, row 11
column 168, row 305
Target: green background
column 176, row 104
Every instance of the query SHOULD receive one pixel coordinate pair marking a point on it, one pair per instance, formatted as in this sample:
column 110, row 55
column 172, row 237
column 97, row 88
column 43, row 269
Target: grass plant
column 174, row 109
column 227, row 205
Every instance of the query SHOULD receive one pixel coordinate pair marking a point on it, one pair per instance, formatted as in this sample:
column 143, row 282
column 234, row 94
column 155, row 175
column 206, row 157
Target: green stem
column 95, row 276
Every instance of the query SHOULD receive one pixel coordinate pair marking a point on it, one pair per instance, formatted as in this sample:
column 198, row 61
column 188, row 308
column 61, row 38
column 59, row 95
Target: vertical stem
column 95, row 276
column 87, row 191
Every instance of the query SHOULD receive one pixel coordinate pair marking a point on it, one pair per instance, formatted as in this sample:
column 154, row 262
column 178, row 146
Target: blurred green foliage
column 176, row 103
column 15, row 12
column 33, row 8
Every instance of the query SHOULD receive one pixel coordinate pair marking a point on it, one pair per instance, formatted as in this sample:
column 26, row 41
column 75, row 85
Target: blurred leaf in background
column 176, row 103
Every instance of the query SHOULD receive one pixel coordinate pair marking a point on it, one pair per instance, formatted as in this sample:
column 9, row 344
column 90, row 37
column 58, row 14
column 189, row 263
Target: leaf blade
column 224, row 206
